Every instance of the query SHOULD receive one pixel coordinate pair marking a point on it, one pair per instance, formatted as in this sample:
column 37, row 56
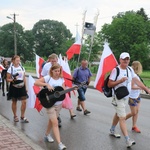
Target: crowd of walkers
column 13, row 85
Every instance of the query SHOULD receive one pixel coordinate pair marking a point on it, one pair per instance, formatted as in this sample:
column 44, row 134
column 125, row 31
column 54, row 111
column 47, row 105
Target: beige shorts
column 121, row 107
column 53, row 112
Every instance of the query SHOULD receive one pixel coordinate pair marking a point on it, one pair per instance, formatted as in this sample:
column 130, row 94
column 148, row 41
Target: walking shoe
column 24, row 120
column 129, row 143
column 72, row 116
column 86, row 112
column 61, row 146
column 78, row 109
column 3, row 94
column 114, row 134
column 136, row 129
column 49, row 138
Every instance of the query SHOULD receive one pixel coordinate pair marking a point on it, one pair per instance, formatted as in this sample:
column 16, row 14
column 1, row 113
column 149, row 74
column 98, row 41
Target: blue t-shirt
column 82, row 74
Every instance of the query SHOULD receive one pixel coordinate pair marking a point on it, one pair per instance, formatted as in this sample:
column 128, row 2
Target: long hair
column 56, row 66
column 137, row 67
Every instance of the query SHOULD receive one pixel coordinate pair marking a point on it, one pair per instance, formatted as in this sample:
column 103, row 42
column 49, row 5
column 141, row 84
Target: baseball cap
column 124, row 55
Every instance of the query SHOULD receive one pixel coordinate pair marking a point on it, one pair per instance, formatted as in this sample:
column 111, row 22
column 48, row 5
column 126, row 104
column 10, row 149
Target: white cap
column 124, row 55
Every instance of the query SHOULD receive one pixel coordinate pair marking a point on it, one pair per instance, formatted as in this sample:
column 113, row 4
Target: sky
column 70, row 12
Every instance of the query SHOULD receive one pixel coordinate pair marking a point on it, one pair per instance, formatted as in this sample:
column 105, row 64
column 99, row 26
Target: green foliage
column 50, row 37
column 128, row 32
column 24, row 42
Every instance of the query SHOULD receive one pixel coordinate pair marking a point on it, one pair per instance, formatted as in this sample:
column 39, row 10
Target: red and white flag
column 66, row 71
column 107, row 63
column 1, row 67
column 75, row 48
column 39, row 62
column 33, row 101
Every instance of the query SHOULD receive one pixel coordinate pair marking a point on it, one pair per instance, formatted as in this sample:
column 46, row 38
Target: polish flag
column 75, row 48
column 33, row 101
column 39, row 62
column 107, row 63
column 66, row 70
column 1, row 67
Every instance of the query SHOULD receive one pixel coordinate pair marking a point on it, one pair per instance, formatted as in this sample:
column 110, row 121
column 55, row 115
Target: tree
column 27, row 43
column 50, row 37
column 143, row 14
column 24, row 41
column 128, row 32
column 7, row 40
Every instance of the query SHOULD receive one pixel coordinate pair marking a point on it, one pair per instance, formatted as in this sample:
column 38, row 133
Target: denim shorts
column 81, row 93
column 134, row 101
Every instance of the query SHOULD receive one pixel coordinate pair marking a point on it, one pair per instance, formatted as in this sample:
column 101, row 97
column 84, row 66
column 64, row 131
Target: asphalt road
column 84, row 132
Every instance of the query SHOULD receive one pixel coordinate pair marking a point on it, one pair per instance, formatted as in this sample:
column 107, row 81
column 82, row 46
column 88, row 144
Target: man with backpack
column 122, row 88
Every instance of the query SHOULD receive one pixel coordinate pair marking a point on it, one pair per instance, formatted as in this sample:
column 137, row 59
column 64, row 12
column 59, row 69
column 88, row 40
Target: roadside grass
column 145, row 75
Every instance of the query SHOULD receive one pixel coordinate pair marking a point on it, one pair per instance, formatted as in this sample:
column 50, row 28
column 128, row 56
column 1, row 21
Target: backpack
column 108, row 90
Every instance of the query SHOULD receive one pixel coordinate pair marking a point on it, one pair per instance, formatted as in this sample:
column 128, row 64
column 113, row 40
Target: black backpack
column 108, row 90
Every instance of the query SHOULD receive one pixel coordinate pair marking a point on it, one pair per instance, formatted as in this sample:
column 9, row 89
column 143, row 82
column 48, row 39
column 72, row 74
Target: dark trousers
column 3, row 85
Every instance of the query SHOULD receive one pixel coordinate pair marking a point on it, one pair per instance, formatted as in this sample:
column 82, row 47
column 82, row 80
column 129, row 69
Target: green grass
column 147, row 82
column 30, row 69
column 145, row 75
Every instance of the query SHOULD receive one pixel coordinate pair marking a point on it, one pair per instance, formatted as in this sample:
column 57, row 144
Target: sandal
column 72, row 116
column 24, row 120
column 16, row 119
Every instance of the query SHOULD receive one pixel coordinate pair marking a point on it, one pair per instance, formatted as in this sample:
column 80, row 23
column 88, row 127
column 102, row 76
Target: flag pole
column 92, row 36
column 84, row 15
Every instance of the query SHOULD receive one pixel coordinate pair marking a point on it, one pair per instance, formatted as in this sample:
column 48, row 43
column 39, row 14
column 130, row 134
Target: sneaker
column 114, row 134
column 86, row 112
column 129, row 143
column 3, row 94
column 24, row 120
column 136, row 129
column 49, row 138
column 61, row 146
column 78, row 109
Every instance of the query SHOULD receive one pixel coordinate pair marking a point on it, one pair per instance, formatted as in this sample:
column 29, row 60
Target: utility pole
column 15, row 38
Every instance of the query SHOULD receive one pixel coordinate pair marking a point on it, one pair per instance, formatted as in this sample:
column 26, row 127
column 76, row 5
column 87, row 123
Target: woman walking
column 17, row 89
column 53, row 79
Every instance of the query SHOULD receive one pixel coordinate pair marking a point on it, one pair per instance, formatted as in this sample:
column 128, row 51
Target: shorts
column 121, row 107
column 134, row 101
column 53, row 112
column 81, row 93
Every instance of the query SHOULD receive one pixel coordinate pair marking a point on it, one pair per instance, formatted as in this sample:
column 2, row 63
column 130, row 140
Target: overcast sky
column 70, row 12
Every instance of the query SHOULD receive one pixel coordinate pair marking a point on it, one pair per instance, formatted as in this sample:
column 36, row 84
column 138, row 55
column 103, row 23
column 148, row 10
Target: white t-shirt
column 135, row 93
column 46, row 68
column 123, row 73
column 52, row 82
column 20, row 70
